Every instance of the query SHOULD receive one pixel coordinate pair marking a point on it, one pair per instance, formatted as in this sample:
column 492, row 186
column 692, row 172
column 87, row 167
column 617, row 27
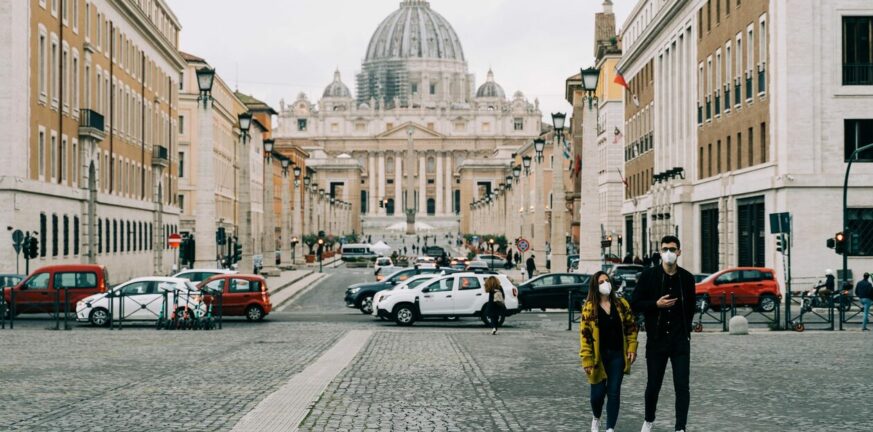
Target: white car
column 143, row 301
column 200, row 275
column 409, row 284
column 455, row 295
column 426, row 262
column 382, row 262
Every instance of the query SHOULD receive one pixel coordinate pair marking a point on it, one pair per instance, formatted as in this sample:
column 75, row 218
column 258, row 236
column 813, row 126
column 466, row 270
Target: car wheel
column 404, row 315
column 767, row 303
column 367, row 305
column 254, row 313
column 99, row 317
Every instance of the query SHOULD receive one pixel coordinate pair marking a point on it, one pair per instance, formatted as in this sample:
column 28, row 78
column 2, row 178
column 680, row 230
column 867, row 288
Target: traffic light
column 31, row 247
column 237, row 252
column 840, row 243
column 220, row 236
column 781, row 243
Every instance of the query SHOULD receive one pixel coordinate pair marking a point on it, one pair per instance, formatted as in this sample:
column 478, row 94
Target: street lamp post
column 558, row 240
column 296, row 218
column 285, row 248
column 244, row 190
column 320, row 251
column 589, row 207
column 269, row 268
column 539, row 240
column 205, row 222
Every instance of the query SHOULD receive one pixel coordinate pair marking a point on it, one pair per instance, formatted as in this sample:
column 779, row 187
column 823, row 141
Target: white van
column 455, row 295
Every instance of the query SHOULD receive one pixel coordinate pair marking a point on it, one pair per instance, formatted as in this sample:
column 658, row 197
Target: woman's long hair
column 594, row 295
column 492, row 284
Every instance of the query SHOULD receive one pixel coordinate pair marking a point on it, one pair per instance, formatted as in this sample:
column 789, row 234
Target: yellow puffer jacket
column 589, row 337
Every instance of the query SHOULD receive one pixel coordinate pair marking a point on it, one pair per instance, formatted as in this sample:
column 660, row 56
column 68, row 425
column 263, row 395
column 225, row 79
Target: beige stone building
column 89, row 101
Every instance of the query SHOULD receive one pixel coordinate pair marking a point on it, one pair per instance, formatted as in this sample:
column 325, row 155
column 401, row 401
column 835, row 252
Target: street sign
column 780, row 223
column 17, row 238
column 523, row 245
column 174, row 240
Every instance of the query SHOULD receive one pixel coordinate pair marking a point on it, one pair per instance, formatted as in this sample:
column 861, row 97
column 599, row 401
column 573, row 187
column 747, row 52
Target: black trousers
column 678, row 354
column 494, row 312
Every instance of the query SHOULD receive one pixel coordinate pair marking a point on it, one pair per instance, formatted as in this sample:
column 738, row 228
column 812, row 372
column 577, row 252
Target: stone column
column 559, row 226
column 422, row 184
column 270, row 268
column 381, row 174
column 448, row 208
column 286, row 220
column 590, row 257
column 204, row 225
column 398, row 184
column 439, row 185
column 539, row 240
column 371, row 180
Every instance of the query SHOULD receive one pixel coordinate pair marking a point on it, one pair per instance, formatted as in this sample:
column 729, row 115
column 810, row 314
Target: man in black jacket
column 665, row 297
column 864, row 291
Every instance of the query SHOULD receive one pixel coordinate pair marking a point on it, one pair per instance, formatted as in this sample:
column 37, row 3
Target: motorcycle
column 812, row 299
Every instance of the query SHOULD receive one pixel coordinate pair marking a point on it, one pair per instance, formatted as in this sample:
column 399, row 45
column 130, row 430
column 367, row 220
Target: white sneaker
column 610, row 430
column 595, row 425
column 647, row 427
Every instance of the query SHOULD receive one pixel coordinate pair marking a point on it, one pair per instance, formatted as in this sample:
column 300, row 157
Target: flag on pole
column 619, row 79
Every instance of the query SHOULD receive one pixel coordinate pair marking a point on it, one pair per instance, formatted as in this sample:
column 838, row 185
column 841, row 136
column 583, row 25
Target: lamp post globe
column 268, row 146
column 205, row 78
column 558, row 120
column 525, row 161
column 297, row 170
column 307, row 180
column 539, row 146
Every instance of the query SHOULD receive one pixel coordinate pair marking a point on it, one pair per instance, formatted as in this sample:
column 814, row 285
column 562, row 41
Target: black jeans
column 613, row 363
column 678, row 353
column 494, row 312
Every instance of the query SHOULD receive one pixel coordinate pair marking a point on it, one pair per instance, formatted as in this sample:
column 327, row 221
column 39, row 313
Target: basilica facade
column 417, row 112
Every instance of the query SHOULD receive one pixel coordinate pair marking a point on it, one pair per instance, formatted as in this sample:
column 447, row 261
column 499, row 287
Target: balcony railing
column 858, row 74
column 160, row 156
column 91, row 124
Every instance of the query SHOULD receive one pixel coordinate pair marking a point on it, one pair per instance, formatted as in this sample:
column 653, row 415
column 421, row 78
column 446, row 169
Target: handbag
column 498, row 296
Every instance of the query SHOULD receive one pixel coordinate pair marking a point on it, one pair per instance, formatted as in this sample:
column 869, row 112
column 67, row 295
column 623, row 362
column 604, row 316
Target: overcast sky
column 276, row 49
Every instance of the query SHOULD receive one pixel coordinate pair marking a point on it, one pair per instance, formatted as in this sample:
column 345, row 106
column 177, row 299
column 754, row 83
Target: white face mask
column 669, row 257
column 605, row 288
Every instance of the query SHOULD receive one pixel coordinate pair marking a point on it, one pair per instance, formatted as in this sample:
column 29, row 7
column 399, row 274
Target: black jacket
column 864, row 289
column 649, row 290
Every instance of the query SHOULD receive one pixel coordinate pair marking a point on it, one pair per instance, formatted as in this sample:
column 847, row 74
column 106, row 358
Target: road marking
column 284, row 409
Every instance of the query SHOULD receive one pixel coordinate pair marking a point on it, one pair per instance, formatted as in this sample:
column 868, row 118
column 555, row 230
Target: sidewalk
column 276, row 284
column 281, row 299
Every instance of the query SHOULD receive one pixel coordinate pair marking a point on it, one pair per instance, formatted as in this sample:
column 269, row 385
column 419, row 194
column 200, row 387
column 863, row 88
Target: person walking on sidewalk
column 496, row 302
column 864, row 291
column 665, row 296
column 531, row 266
column 608, row 347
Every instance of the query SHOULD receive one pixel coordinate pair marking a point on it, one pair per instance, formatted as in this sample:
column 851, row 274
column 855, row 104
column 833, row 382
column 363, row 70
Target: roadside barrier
column 814, row 312
column 574, row 308
column 710, row 315
column 851, row 310
column 760, row 310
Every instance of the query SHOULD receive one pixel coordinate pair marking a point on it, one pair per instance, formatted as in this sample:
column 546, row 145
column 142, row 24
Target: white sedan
column 408, row 284
column 143, row 300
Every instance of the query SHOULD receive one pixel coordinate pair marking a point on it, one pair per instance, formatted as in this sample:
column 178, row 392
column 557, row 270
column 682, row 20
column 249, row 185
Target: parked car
column 474, row 265
column 454, row 295
column 242, row 295
column 66, row 283
column 10, row 280
column 458, row 263
column 360, row 296
column 200, row 275
column 434, row 251
column 143, row 300
column 382, row 262
column 749, row 286
column 550, row 291
column 493, row 261
column 625, row 276
column 410, row 283
column 426, row 262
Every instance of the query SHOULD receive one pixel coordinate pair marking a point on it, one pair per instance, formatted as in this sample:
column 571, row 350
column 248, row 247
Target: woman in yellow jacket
column 608, row 341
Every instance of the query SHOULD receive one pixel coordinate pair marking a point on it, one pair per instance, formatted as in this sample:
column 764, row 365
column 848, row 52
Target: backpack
column 498, row 296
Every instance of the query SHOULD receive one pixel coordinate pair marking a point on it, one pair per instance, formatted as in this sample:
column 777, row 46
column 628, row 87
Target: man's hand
column 631, row 357
column 588, row 370
column 665, row 302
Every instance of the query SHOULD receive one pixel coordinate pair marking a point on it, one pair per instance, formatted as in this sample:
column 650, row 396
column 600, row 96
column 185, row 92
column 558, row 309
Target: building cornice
column 655, row 29
column 151, row 32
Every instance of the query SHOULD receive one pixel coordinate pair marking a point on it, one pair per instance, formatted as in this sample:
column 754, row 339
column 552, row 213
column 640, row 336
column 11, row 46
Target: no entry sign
column 523, row 245
column 174, row 240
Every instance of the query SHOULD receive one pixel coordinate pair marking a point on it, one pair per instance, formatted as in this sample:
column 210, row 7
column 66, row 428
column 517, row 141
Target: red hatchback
column 243, row 295
column 39, row 292
column 748, row 286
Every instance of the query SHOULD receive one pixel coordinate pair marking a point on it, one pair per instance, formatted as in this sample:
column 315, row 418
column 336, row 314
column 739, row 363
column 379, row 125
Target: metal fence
column 758, row 310
column 711, row 315
column 814, row 312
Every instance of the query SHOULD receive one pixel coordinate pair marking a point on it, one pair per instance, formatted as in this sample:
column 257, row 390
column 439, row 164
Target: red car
column 749, row 286
column 242, row 295
column 38, row 292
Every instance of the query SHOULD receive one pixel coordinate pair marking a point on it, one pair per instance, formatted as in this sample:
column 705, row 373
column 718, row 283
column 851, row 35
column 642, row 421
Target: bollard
column 66, row 308
column 739, row 325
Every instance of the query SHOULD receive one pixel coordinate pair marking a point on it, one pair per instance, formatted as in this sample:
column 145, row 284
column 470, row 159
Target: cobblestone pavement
column 434, row 376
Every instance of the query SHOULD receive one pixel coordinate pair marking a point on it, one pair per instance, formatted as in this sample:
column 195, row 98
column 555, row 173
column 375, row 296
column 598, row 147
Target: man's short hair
column 671, row 239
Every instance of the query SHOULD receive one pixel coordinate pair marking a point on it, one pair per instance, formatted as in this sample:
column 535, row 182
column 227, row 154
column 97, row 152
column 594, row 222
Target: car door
column 436, row 297
column 136, row 299
column 751, row 286
column 239, row 295
column 33, row 297
column 534, row 293
column 76, row 285
column 552, row 295
column 468, row 296
column 724, row 285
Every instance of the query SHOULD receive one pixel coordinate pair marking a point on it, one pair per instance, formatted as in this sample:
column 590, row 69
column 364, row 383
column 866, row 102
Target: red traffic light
column 839, row 237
